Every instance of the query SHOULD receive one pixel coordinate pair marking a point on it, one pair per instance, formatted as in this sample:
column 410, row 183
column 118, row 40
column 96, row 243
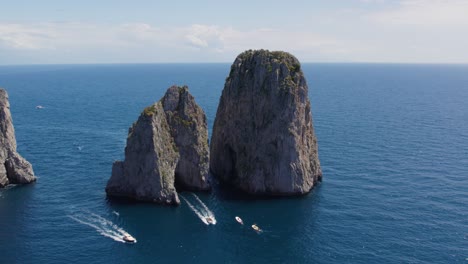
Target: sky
column 151, row 31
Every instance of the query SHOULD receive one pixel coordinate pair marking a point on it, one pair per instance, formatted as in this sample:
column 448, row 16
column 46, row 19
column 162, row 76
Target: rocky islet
column 14, row 169
column 263, row 140
column 166, row 146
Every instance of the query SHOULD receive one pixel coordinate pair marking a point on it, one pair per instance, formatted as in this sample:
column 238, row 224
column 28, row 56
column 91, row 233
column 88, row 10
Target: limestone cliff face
column 164, row 147
column 189, row 131
column 263, row 139
column 147, row 173
column 14, row 169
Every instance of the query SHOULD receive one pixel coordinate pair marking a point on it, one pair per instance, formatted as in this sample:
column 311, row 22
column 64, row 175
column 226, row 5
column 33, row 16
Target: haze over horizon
column 382, row 31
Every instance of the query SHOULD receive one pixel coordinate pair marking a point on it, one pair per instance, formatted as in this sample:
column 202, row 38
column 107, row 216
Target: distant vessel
column 39, row 107
column 239, row 220
column 256, row 228
column 209, row 220
column 129, row 239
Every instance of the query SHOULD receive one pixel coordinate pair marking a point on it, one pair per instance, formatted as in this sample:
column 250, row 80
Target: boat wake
column 201, row 210
column 103, row 226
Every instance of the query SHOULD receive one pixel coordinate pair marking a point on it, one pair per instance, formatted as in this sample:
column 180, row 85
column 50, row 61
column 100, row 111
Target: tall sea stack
column 263, row 139
column 14, row 169
column 166, row 147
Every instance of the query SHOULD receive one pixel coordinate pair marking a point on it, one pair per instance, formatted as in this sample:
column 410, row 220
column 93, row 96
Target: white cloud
column 411, row 32
column 143, row 42
column 23, row 37
column 203, row 36
column 425, row 13
column 52, row 36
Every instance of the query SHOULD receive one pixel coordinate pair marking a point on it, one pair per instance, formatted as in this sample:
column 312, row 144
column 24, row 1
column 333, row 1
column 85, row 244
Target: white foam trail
column 208, row 212
column 101, row 225
column 110, row 223
column 196, row 211
column 104, row 232
column 202, row 204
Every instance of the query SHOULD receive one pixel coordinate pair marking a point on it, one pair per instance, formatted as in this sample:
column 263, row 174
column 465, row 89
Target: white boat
column 209, row 220
column 39, row 107
column 256, row 228
column 129, row 239
column 239, row 220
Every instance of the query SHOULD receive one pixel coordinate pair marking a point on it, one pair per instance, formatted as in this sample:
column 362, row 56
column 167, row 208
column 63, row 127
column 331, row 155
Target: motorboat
column 209, row 220
column 129, row 239
column 256, row 228
column 239, row 220
column 39, row 107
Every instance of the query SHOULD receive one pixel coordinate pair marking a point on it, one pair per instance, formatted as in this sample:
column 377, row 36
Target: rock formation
column 167, row 146
column 14, row 169
column 189, row 131
column 263, row 139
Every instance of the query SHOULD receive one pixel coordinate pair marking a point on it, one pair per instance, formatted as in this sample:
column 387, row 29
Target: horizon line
column 152, row 63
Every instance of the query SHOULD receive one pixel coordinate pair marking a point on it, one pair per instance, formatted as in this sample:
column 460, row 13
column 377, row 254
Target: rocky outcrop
column 166, row 147
column 263, row 139
column 147, row 173
column 187, row 122
column 14, row 169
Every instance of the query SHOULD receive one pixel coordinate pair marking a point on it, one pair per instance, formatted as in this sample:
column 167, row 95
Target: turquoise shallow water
column 393, row 143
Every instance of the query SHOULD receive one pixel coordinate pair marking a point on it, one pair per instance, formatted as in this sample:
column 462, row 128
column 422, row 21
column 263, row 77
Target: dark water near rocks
column 393, row 143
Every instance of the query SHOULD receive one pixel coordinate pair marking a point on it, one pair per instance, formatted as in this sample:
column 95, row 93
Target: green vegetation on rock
column 150, row 110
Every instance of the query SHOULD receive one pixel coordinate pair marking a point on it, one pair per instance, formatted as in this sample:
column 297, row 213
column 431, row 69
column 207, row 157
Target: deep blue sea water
column 393, row 144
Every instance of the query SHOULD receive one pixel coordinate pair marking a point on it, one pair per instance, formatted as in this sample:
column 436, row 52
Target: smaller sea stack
column 166, row 147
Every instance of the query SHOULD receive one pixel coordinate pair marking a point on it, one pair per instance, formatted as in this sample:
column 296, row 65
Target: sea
column 393, row 145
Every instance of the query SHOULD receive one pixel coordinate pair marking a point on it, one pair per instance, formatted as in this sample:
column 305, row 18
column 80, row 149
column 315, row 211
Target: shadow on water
column 225, row 191
column 116, row 201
